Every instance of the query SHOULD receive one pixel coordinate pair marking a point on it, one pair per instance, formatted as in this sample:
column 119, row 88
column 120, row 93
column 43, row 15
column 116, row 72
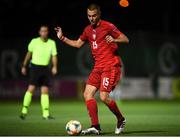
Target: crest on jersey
column 94, row 36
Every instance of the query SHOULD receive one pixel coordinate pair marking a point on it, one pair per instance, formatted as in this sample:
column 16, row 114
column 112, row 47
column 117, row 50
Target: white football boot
column 120, row 129
column 91, row 130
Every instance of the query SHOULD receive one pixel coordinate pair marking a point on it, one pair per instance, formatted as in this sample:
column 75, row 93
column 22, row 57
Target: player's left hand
column 54, row 70
column 59, row 32
column 109, row 39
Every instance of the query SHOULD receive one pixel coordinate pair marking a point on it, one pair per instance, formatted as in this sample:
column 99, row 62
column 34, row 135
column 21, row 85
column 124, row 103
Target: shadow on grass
column 124, row 133
column 106, row 133
column 102, row 134
column 136, row 132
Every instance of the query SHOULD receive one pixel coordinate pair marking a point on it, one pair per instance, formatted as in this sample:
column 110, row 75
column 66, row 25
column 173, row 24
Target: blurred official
column 41, row 51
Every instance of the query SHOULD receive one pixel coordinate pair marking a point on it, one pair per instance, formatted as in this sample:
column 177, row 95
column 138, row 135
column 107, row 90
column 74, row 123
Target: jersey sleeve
column 31, row 46
column 114, row 31
column 83, row 36
column 54, row 49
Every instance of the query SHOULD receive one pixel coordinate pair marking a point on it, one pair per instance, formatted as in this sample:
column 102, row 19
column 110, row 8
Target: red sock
column 93, row 111
column 115, row 110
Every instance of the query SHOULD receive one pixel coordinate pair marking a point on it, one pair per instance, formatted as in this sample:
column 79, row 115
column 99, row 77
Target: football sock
column 115, row 110
column 26, row 102
column 93, row 111
column 45, row 104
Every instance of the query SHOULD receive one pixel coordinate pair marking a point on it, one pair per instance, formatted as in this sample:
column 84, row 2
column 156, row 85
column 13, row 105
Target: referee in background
column 41, row 51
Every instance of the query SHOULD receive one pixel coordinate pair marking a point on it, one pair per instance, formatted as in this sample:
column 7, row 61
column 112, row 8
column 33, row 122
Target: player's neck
column 44, row 39
column 97, row 24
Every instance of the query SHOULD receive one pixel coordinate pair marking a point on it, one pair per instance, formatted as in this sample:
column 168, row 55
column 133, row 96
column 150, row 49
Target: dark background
column 151, row 25
column 22, row 17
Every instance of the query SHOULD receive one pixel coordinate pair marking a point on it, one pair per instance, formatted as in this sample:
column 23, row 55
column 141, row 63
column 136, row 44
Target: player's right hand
column 23, row 71
column 109, row 39
column 54, row 70
column 59, row 32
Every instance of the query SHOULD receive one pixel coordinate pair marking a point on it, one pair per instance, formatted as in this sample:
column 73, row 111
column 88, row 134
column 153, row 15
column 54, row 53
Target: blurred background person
column 154, row 80
column 40, row 51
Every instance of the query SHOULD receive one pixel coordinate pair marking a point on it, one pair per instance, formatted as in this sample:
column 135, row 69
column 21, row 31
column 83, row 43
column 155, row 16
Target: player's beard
column 94, row 23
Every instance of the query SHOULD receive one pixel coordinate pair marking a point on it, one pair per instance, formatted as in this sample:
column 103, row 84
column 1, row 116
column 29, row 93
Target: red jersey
column 104, row 54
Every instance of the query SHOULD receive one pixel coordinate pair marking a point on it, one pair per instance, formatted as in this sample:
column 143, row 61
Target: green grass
column 144, row 118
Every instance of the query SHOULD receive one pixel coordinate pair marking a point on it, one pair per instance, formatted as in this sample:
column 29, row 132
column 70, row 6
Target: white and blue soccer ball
column 73, row 127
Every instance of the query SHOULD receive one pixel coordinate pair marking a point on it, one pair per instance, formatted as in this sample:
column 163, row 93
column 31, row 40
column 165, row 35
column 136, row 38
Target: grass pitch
column 144, row 118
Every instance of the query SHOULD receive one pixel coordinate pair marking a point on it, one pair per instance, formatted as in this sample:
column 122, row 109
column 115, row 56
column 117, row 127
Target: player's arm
column 54, row 65
column 120, row 39
column 74, row 43
column 25, row 62
column 116, row 36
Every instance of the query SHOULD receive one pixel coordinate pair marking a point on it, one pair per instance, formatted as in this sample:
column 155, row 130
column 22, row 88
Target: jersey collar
column 98, row 24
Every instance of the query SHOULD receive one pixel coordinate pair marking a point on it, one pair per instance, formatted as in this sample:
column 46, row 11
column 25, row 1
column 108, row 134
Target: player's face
column 43, row 32
column 93, row 16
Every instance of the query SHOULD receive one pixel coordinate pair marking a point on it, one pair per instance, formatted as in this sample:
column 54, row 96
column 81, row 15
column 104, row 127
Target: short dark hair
column 94, row 7
column 44, row 26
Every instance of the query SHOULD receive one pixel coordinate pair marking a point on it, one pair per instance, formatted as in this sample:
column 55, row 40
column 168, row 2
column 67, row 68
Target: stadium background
column 152, row 55
column 151, row 60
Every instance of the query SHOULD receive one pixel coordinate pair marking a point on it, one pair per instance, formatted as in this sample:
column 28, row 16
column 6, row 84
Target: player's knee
column 87, row 95
column 31, row 88
column 44, row 90
column 103, row 98
column 89, row 92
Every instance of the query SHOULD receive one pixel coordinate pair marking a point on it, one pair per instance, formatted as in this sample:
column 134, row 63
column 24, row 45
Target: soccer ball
column 73, row 127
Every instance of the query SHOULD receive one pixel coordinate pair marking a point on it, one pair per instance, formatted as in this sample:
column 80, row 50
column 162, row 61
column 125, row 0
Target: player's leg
column 45, row 102
column 91, row 104
column 44, row 81
column 92, row 109
column 109, row 80
column 92, row 85
column 33, row 82
column 111, row 104
column 27, row 100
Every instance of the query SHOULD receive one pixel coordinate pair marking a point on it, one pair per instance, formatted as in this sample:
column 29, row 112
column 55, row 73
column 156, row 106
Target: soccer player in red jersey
column 103, row 37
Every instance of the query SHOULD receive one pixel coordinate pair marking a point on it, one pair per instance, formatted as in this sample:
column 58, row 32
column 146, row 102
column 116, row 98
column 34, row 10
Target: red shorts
column 105, row 79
